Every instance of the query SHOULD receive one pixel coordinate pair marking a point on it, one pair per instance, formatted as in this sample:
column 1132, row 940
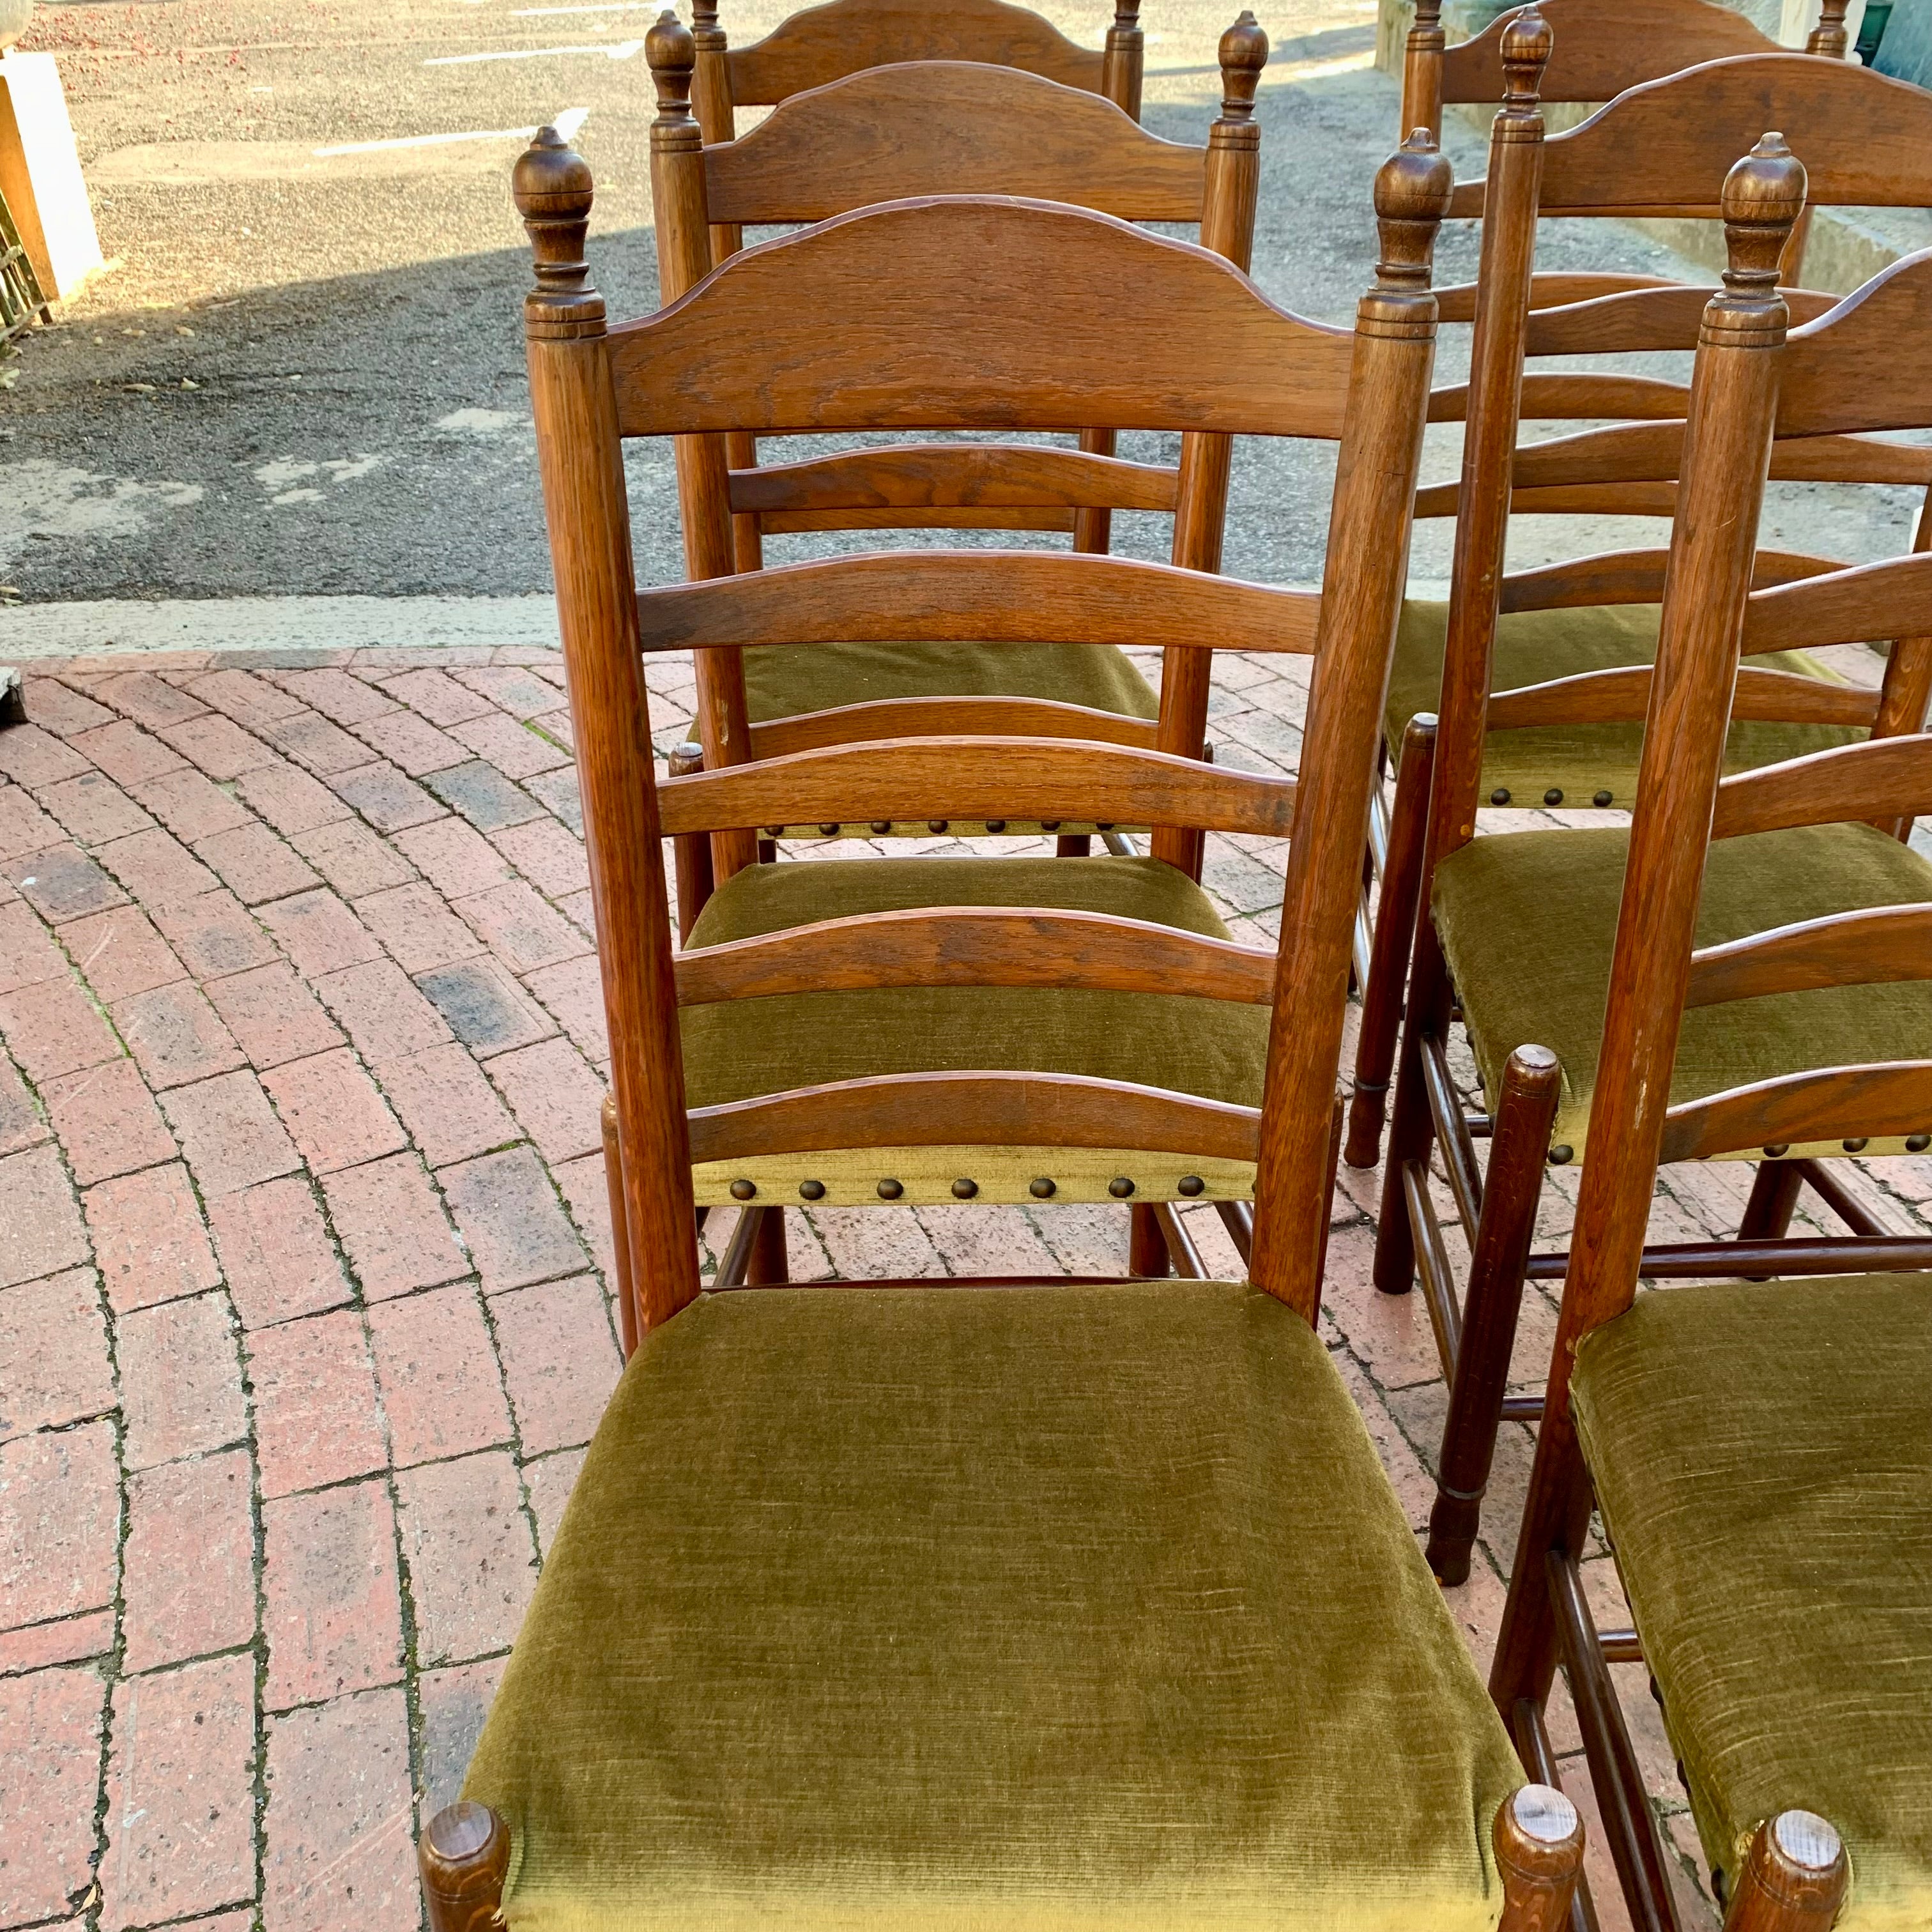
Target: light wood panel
column 1151, row 333
column 1888, row 1100
column 1622, row 696
column 1886, row 777
column 998, row 597
column 925, row 127
column 1881, row 944
column 821, row 44
column 1597, row 55
column 1634, row 577
column 947, row 717
column 940, row 474
column 1020, row 779
column 1853, row 605
column 978, row 946
column 1039, row 1110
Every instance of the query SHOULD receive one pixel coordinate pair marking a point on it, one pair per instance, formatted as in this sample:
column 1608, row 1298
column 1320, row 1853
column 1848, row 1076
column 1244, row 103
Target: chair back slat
column 1663, row 147
column 890, row 133
column 947, row 717
column 1639, row 452
column 1025, row 778
column 1581, row 394
column 998, row 1109
column 1599, row 53
column 1883, row 778
column 1890, row 1101
column 1854, row 604
column 946, row 475
column 1862, row 333
column 1554, row 288
column 1179, row 332
column 1634, row 577
column 1621, row 696
column 977, row 946
column 993, row 597
column 821, row 44
column 1641, row 320
column 1874, row 946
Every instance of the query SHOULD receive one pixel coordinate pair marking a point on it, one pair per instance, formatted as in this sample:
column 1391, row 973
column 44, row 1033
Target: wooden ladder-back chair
column 1519, row 928
column 1601, row 51
column 1761, row 1451
column 1054, row 1603
column 792, row 342
column 1652, row 149
column 926, row 127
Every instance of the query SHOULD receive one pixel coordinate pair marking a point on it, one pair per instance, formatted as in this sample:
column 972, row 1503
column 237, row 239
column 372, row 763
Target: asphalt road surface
column 305, row 376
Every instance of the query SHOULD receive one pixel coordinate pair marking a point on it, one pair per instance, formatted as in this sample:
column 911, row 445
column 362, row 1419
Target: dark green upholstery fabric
column 782, row 680
column 748, row 1047
column 1533, row 646
column 1763, row 1457
column 1071, row 1608
column 1527, row 920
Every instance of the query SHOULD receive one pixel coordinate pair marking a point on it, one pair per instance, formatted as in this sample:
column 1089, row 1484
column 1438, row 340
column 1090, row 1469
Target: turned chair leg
column 1538, row 1839
column 769, row 1266
column 1531, row 1086
column 690, row 850
column 1412, row 1127
column 1148, row 1256
column 1773, row 1200
column 620, row 1233
column 463, row 1857
column 1794, row 1878
column 1389, row 950
column 1073, row 845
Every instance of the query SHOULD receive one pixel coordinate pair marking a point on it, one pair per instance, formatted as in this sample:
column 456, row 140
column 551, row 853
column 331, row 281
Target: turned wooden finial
column 1764, row 195
column 1243, row 53
column 1828, row 37
column 1538, row 1839
column 704, row 20
column 553, row 190
column 1527, row 41
column 1412, row 189
column 671, row 49
column 1794, row 1880
column 463, row 1856
column 1428, row 20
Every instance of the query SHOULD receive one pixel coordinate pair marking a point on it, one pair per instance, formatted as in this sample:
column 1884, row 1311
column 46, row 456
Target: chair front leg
column 1147, row 1257
column 769, row 1266
column 1794, row 1878
column 1390, row 950
column 463, row 1859
column 1538, row 1839
column 623, row 1285
column 1531, row 1085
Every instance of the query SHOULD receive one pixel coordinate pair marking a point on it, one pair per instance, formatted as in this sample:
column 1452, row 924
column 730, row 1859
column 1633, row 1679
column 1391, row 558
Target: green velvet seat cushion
column 1209, row 1048
column 1763, row 1457
column 1527, row 920
column 1579, row 760
column 1076, row 1608
column 783, row 680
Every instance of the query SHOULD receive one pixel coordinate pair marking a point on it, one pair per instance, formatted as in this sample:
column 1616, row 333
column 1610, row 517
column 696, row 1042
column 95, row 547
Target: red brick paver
column 303, row 1243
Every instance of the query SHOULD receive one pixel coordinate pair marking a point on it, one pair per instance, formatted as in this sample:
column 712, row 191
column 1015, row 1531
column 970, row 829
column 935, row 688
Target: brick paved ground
column 303, row 1319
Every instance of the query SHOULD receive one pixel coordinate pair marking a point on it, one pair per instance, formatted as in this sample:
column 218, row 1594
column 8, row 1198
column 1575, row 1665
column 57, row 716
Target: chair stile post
column 1231, row 193
column 1422, row 71
column 1828, row 37
column 574, row 402
column 1482, row 524
column 1479, row 1373
column 1795, row 1878
column 684, row 259
column 1538, row 1841
column 1389, row 943
column 1124, row 59
column 1906, row 693
column 1363, row 583
column 1726, row 448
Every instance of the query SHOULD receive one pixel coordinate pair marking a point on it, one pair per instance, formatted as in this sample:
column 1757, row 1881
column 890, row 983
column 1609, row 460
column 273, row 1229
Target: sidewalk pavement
column 305, row 1322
